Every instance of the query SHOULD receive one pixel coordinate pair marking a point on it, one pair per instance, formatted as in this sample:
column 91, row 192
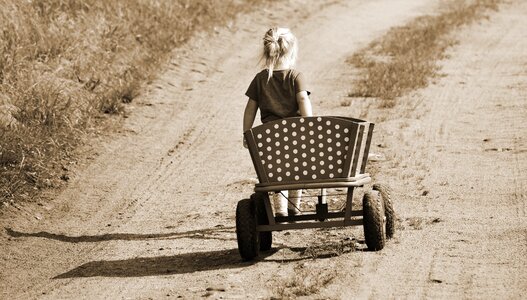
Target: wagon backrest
column 309, row 149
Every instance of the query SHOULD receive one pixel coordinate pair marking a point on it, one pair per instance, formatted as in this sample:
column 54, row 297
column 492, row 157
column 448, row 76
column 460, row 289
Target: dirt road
column 152, row 214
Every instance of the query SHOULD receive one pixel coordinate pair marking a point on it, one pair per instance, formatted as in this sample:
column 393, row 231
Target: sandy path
column 153, row 214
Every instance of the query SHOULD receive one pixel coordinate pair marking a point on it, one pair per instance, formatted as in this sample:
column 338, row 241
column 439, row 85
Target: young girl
column 279, row 92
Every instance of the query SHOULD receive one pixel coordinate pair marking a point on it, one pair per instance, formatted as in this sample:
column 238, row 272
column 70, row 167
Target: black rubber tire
column 374, row 226
column 248, row 238
column 266, row 237
column 386, row 194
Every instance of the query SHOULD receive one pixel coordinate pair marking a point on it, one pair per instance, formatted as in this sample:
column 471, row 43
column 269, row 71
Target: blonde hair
column 280, row 47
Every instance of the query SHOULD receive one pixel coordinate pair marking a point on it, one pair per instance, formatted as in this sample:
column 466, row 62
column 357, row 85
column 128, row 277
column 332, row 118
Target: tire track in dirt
column 465, row 145
column 156, row 224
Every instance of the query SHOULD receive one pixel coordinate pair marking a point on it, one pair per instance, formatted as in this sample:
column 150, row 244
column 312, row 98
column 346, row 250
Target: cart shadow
column 159, row 265
column 206, row 233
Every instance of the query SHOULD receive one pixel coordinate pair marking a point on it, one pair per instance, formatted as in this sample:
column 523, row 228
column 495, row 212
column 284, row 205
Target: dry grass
column 304, row 281
column 405, row 59
column 66, row 63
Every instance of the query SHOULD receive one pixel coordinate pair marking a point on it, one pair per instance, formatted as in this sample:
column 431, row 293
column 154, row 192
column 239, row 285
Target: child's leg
column 293, row 207
column 280, row 203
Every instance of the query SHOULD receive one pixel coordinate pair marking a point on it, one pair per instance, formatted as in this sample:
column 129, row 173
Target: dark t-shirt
column 276, row 98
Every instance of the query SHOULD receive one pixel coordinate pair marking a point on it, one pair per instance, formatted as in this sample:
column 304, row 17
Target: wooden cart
column 311, row 153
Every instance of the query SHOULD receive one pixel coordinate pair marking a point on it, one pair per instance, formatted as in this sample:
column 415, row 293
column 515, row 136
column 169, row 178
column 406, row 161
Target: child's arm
column 248, row 116
column 304, row 104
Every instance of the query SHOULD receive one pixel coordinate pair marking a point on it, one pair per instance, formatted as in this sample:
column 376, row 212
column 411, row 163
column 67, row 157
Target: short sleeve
column 252, row 91
column 300, row 84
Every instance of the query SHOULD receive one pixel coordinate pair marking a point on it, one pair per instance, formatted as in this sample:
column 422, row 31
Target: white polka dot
column 321, row 154
column 268, row 148
column 328, row 131
column 338, row 144
column 295, row 160
column 337, row 135
column 311, row 132
column 310, row 123
column 293, row 133
column 260, row 153
column 313, row 159
column 295, row 142
column 277, row 144
column 279, row 170
column 270, row 166
column 337, row 126
column 286, row 147
column 319, row 128
column 263, row 162
column 346, row 148
column 304, row 172
column 293, row 125
column 322, row 171
column 339, row 170
column 278, row 161
column 279, row 178
column 268, row 131
column 297, row 177
column 303, row 146
column 346, row 130
column 260, row 145
column 312, row 150
column 320, row 136
column 330, row 149
column 331, row 175
column 302, row 120
column 330, row 157
column 304, row 155
column 313, row 168
column 259, row 135
column 303, row 137
column 328, row 122
column 287, row 173
column 339, row 153
column 270, row 174
column 321, row 145
column 268, row 140
column 285, row 129
column 322, row 162
column 330, row 167
column 302, row 129
column 284, row 122
column 296, row 169
column 319, row 119
column 346, row 139
column 287, row 165
column 276, row 126
column 276, row 135
column 286, row 156
column 314, row 176
column 311, row 141
column 339, row 162
column 269, row 157
column 304, row 164
column 278, row 152
column 330, row 140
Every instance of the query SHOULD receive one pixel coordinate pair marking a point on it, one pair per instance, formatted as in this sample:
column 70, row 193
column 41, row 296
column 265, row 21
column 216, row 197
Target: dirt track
column 152, row 214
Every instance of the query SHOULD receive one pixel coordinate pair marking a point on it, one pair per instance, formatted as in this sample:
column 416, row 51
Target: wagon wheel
column 386, row 194
column 374, row 226
column 248, row 238
column 266, row 237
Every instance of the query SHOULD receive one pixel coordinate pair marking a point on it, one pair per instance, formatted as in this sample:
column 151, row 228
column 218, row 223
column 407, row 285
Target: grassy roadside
column 64, row 64
column 404, row 59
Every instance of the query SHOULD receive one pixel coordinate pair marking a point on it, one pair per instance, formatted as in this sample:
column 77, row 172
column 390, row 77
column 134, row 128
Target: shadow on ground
column 207, row 233
column 160, row 265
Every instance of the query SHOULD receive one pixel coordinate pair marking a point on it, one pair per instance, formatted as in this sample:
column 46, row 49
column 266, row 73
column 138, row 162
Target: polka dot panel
column 304, row 149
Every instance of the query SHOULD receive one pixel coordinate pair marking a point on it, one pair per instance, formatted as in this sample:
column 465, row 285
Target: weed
column 64, row 64
column 405, row 58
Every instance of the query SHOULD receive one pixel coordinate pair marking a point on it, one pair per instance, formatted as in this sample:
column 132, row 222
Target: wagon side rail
column 310, row 152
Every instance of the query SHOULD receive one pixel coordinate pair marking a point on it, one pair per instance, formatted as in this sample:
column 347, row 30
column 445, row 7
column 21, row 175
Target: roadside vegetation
column 65, row 65
column 405, row 58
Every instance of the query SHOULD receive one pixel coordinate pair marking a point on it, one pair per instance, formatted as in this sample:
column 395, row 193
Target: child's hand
column 244, row 143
